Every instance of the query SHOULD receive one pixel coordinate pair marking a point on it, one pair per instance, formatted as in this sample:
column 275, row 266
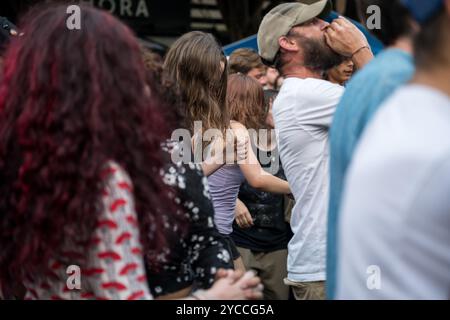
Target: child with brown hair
column 245, row 100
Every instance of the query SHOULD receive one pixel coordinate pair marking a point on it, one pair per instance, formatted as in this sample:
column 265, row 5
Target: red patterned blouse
column 115, row 265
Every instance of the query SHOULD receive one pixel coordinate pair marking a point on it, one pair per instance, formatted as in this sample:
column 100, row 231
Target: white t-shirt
column 303, row 111
column 394, row 230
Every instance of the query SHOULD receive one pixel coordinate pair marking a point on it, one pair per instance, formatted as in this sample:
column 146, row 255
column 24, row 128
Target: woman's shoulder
column 236, row 125
column 239, row 130
column 112, row 171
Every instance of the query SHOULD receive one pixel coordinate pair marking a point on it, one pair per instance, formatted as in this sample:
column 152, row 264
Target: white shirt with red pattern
column 115, row 266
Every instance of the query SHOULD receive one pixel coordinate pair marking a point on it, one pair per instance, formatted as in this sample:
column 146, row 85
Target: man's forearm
column 362, row 57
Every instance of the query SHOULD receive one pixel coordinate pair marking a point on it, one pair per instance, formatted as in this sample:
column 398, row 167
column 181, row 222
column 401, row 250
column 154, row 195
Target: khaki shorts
column 271, row 268
column 307, row 290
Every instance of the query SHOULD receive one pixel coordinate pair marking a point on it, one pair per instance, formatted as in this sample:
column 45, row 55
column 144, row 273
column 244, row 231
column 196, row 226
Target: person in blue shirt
column 364, row 94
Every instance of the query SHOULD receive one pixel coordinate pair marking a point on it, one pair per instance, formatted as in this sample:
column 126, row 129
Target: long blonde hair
column 194, row 63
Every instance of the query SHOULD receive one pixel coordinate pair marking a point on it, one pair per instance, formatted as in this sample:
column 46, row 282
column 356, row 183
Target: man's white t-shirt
column 394, row 229
column 303, row 111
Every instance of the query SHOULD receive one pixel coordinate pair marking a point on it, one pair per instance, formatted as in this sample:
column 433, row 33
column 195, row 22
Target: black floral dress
column 197, row 256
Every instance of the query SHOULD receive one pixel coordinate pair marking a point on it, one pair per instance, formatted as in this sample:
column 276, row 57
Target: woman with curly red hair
column 81, row 163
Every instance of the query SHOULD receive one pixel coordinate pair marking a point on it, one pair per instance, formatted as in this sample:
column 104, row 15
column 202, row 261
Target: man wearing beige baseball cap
column 294, row 39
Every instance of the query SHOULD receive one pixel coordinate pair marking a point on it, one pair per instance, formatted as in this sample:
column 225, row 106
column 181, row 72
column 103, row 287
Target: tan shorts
column 271, row 268
column 307, row 290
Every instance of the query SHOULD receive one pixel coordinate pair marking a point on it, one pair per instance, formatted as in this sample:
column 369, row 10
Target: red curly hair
column 70, row 101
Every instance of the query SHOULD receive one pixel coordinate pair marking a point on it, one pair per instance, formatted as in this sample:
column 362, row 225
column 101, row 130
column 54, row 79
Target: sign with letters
column 150, row 17
column 145, row 17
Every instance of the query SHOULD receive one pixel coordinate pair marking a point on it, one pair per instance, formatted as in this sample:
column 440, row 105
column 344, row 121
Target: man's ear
column 288, row 44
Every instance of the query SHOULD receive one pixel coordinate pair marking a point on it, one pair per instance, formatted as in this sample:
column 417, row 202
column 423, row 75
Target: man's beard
column 318, row 55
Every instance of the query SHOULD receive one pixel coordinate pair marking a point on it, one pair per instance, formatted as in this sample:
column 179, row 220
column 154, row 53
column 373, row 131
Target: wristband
column 363, row 47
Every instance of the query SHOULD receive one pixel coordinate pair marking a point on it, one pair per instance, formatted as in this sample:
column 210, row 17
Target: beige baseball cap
column 278, row 21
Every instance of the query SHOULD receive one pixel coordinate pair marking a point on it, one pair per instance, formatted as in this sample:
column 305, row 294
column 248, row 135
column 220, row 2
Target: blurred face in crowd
column 341, row 73
column 259, row 74
column 272, row 75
